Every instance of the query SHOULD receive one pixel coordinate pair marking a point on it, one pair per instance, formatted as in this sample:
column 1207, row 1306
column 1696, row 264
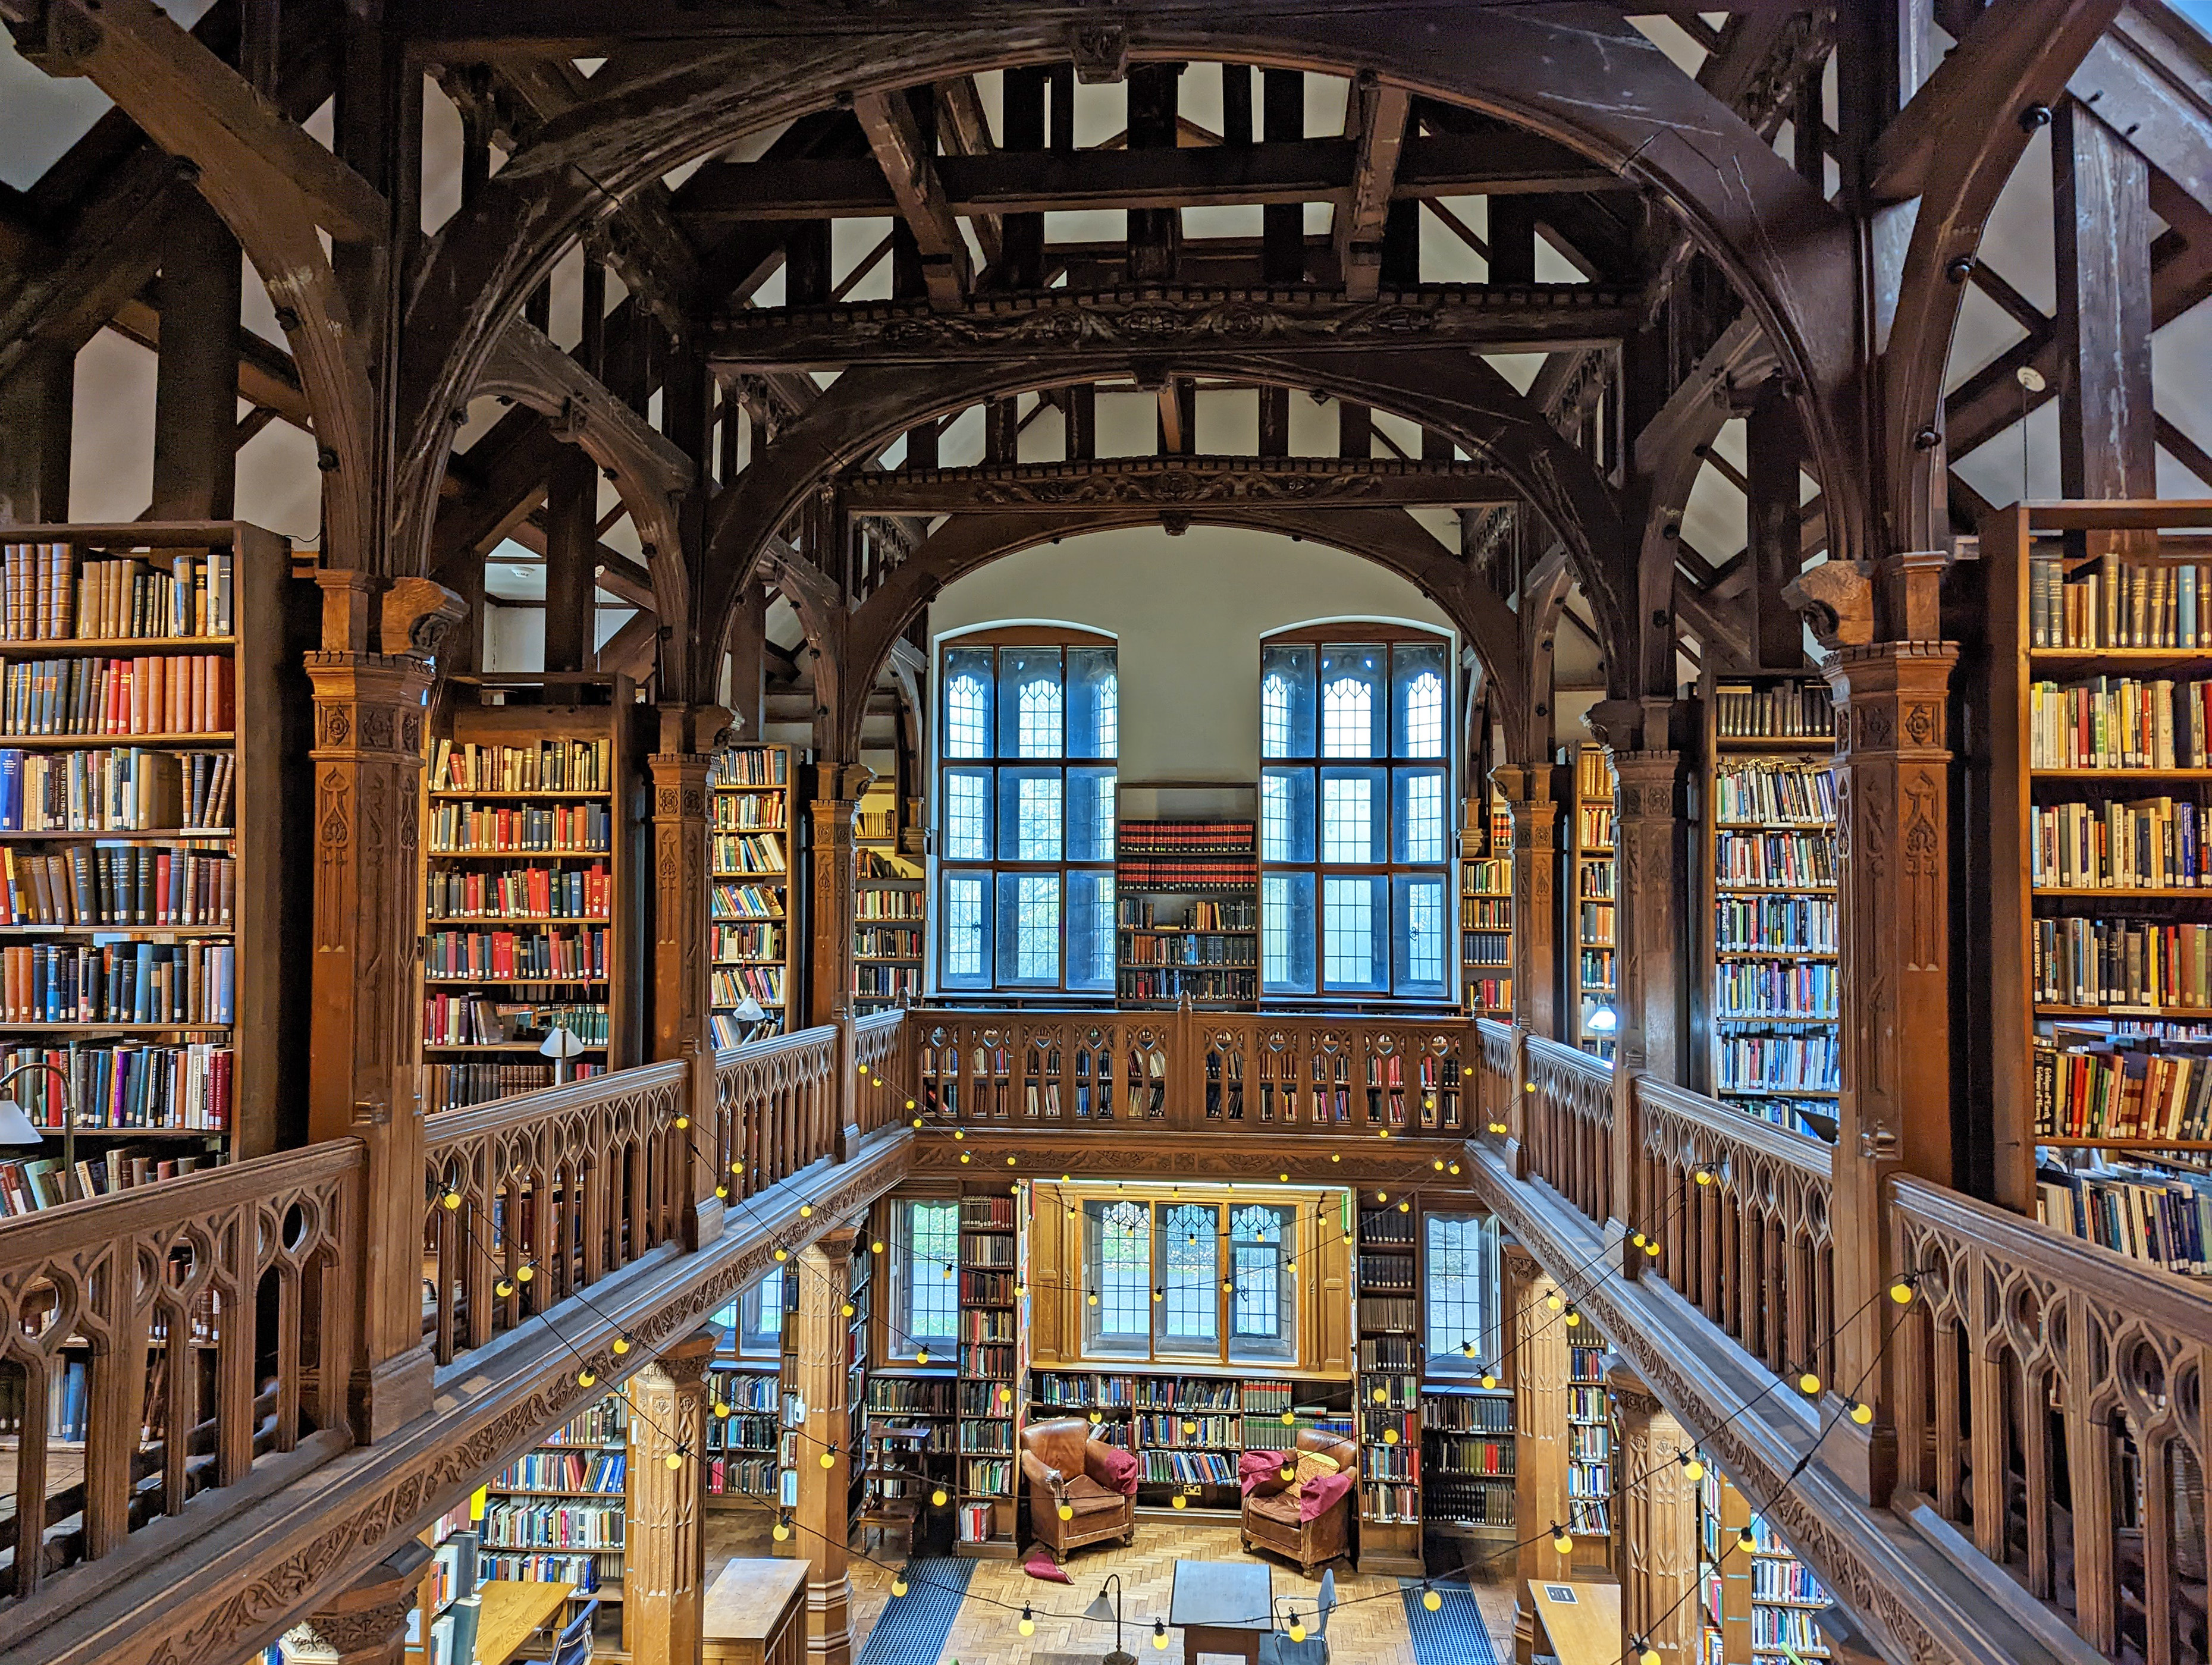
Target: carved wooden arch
column 966, row 543
column 825, row 624
column 1462, row 397
column 1589, row 81
column 1543, row 598
column 649, row 471
column 1956, row 160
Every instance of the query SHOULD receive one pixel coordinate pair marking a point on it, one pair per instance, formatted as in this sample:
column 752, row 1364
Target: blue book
column 2186, row 625
column 11, row 790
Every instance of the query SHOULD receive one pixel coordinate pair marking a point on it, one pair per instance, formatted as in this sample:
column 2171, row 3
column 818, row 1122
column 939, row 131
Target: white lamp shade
column 1604, row 1020
column 15, row 1129
column 751, row 1010
column 560, row 1043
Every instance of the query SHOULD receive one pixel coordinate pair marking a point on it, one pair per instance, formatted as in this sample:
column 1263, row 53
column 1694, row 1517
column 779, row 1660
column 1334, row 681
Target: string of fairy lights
column 1561, row 1305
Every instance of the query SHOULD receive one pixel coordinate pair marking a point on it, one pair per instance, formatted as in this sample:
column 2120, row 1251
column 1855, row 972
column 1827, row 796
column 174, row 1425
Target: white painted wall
column 1189, row 613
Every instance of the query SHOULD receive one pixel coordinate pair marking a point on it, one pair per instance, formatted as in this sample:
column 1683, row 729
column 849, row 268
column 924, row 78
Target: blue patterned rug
column 913, row 1626
column 1454, row 1634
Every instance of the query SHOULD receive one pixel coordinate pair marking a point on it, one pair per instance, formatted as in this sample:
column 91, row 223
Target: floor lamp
column 18, row 1131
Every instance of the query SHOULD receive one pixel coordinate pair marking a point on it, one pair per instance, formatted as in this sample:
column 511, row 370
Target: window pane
column 1029, row 928
column 967, row 944
column 1090, row 815
column 1419, row 823
column 1286, row 932
column 967, row 703
column 1352, row 702
column 1286, row 702
column 926, row 1289
column 1461, row 1276
column 966, row 815
column 1420, row 957
column 1350, row 815
column 1030, row 814
column 1286, row 815
column 1355, row 917
column 1090, row 930
column 760, row 1321
column 1189, row 1311
column 1094, row 703
column 1032, row 719
column 1117, row 1264
column 1263, row 1312
column 1419, row 706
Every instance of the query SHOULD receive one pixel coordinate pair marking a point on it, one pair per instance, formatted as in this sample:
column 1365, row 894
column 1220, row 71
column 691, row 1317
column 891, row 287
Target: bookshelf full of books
column 2101, row 889
column 1596, row 972
column 1590, row 1444
column 1485, row 912
column 1187, row 912
column 890, row 906
column 993, row 1348
column 527, row 914
column 744, row 1397
column 1466, row 1462
column 1771, row 964
column 559, row 1514
column 750, row 912
column 1388, row 1403
column 1756, row 1601
column 155, row 720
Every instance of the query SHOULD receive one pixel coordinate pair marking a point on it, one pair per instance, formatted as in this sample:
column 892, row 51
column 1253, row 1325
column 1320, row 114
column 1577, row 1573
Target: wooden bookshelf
column 1467, row 1463
column 1767, row 939
column 154, row 739
column 990, row 1369
column 744, row 1401
column 891, row 907
column 1596, row 969
column 1388, row 1398
column 542, row 1483
column 1485, row 911
column 1187, row 912
column 1757, row 1604
column 531, row 898
column 751, row 913
column 1591, row 1446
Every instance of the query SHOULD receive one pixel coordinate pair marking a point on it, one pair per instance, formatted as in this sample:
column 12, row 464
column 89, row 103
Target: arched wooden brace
column 1390, row 538
column 864, row 409
column 827, row 625
column 273, row 185
column 1543, row 598
column 649, row 471
column 1588, row 82
column 1953, row 147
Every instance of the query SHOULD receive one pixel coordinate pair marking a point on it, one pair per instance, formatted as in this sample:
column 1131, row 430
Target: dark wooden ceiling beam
column 909, row 169
column 267, row 377
column 1060, row 322
column 1497, row 161
column 962, row 130
column 1374, row 122
column 1175, row 482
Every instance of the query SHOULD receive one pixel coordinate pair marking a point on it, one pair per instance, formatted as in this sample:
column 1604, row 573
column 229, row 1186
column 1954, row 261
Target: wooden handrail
column 1569, row 1118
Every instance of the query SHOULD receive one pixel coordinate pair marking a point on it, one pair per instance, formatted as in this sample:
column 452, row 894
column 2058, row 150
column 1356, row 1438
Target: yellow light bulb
column 781, row 1532
column 721, row 1408
column 1005, row 1395
column 964, row 1158
column 451, row 1199
column 1020, row 1290
column 1573, row 1318
column 1096, row 1418
column 1438, row 1164
column 1381, row 1133
column 1380, row 1394
column 938, row 1496
column 682, row 1122
column 722, row 1191
column 1010, row 1163
column 1336, row 1156
column 621, row 1345
column 1694, row 1469
column 845, row 1311
column 1808, row 1382
column 1704, row 1176
column 1289, row 1416
column 958, row 1133
column 1027, row 1625
column 1094, row 1298
column 1066, row 1511
column 1562, row 1539
column 807, row 1211
column 1649, row 1656
column 1901, row 1293
column 1488, row 1380
column 1382, row 1196
column 1389, row 1436
column 525, row 1272
column 1652, row 1249
column 673, row 1460
column 1297, row 1629
column 1862, row 1413
column 829, row 1459
column 898, row 1585
column 737, row 1167
column 921, row 1356
column 1405, row 1207
column 502, row 1289
column 1431, row 1600
column 1178, row 1501
column 782, row 1254
column 1454, row 1169
column 1227, row 1287
column 909, row 1104
column 1160, row 1634
column 876, row 1247
column 1288, row 1471
column 1638, row 1239
column 1554, row 1302
column 585, row 1378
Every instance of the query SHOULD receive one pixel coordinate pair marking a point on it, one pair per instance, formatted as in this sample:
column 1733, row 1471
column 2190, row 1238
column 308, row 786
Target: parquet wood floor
column 1369, row 1631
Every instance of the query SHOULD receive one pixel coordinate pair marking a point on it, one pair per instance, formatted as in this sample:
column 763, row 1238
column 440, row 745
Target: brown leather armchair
column 1059, row 1464
column 1270, row 1512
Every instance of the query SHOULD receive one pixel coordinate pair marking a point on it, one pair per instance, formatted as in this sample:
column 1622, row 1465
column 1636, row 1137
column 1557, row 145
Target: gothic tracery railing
column 1569, row 1119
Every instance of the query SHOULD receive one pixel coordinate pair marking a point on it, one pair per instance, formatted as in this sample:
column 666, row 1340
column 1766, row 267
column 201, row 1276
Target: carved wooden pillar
column 665, row 1568
column 837, row 789
column 366, row 1624
column 1651, row 1004
column 365, row 1075
column 1659, row 1527
column 824, row 1273
column 1892, row 920
column 36, row 403
column 1536, row 1341
column 1535, row 814
column 681, row 930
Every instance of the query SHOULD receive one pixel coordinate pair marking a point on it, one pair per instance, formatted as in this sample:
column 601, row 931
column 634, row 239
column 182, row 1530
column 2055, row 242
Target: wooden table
column 512, row 1612
column 755, row 1614
column 1223, row 1608
column 1583, row 1621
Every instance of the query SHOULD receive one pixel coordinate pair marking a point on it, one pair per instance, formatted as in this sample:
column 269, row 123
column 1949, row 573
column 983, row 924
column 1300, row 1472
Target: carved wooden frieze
column 1192, row 481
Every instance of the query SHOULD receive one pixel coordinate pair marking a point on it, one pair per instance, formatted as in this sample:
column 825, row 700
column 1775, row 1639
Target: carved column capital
column 366, row 1623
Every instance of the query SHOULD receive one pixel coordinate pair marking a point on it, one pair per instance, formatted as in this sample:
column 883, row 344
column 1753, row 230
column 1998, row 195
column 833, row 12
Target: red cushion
column 1316, row 1497
column 1262, row 1471
column 1116, row 1467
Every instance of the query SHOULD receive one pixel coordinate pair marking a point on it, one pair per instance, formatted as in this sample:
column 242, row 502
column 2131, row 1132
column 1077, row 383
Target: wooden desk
column 512, row 1612
column 755, row 1614
column 1583, row 1621
column 1222, row 1608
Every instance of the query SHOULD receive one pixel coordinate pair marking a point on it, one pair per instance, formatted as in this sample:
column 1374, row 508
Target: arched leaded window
column 1190, row 1266
column 1026, row 798
column 1356, row 815
column 1262, row 1310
